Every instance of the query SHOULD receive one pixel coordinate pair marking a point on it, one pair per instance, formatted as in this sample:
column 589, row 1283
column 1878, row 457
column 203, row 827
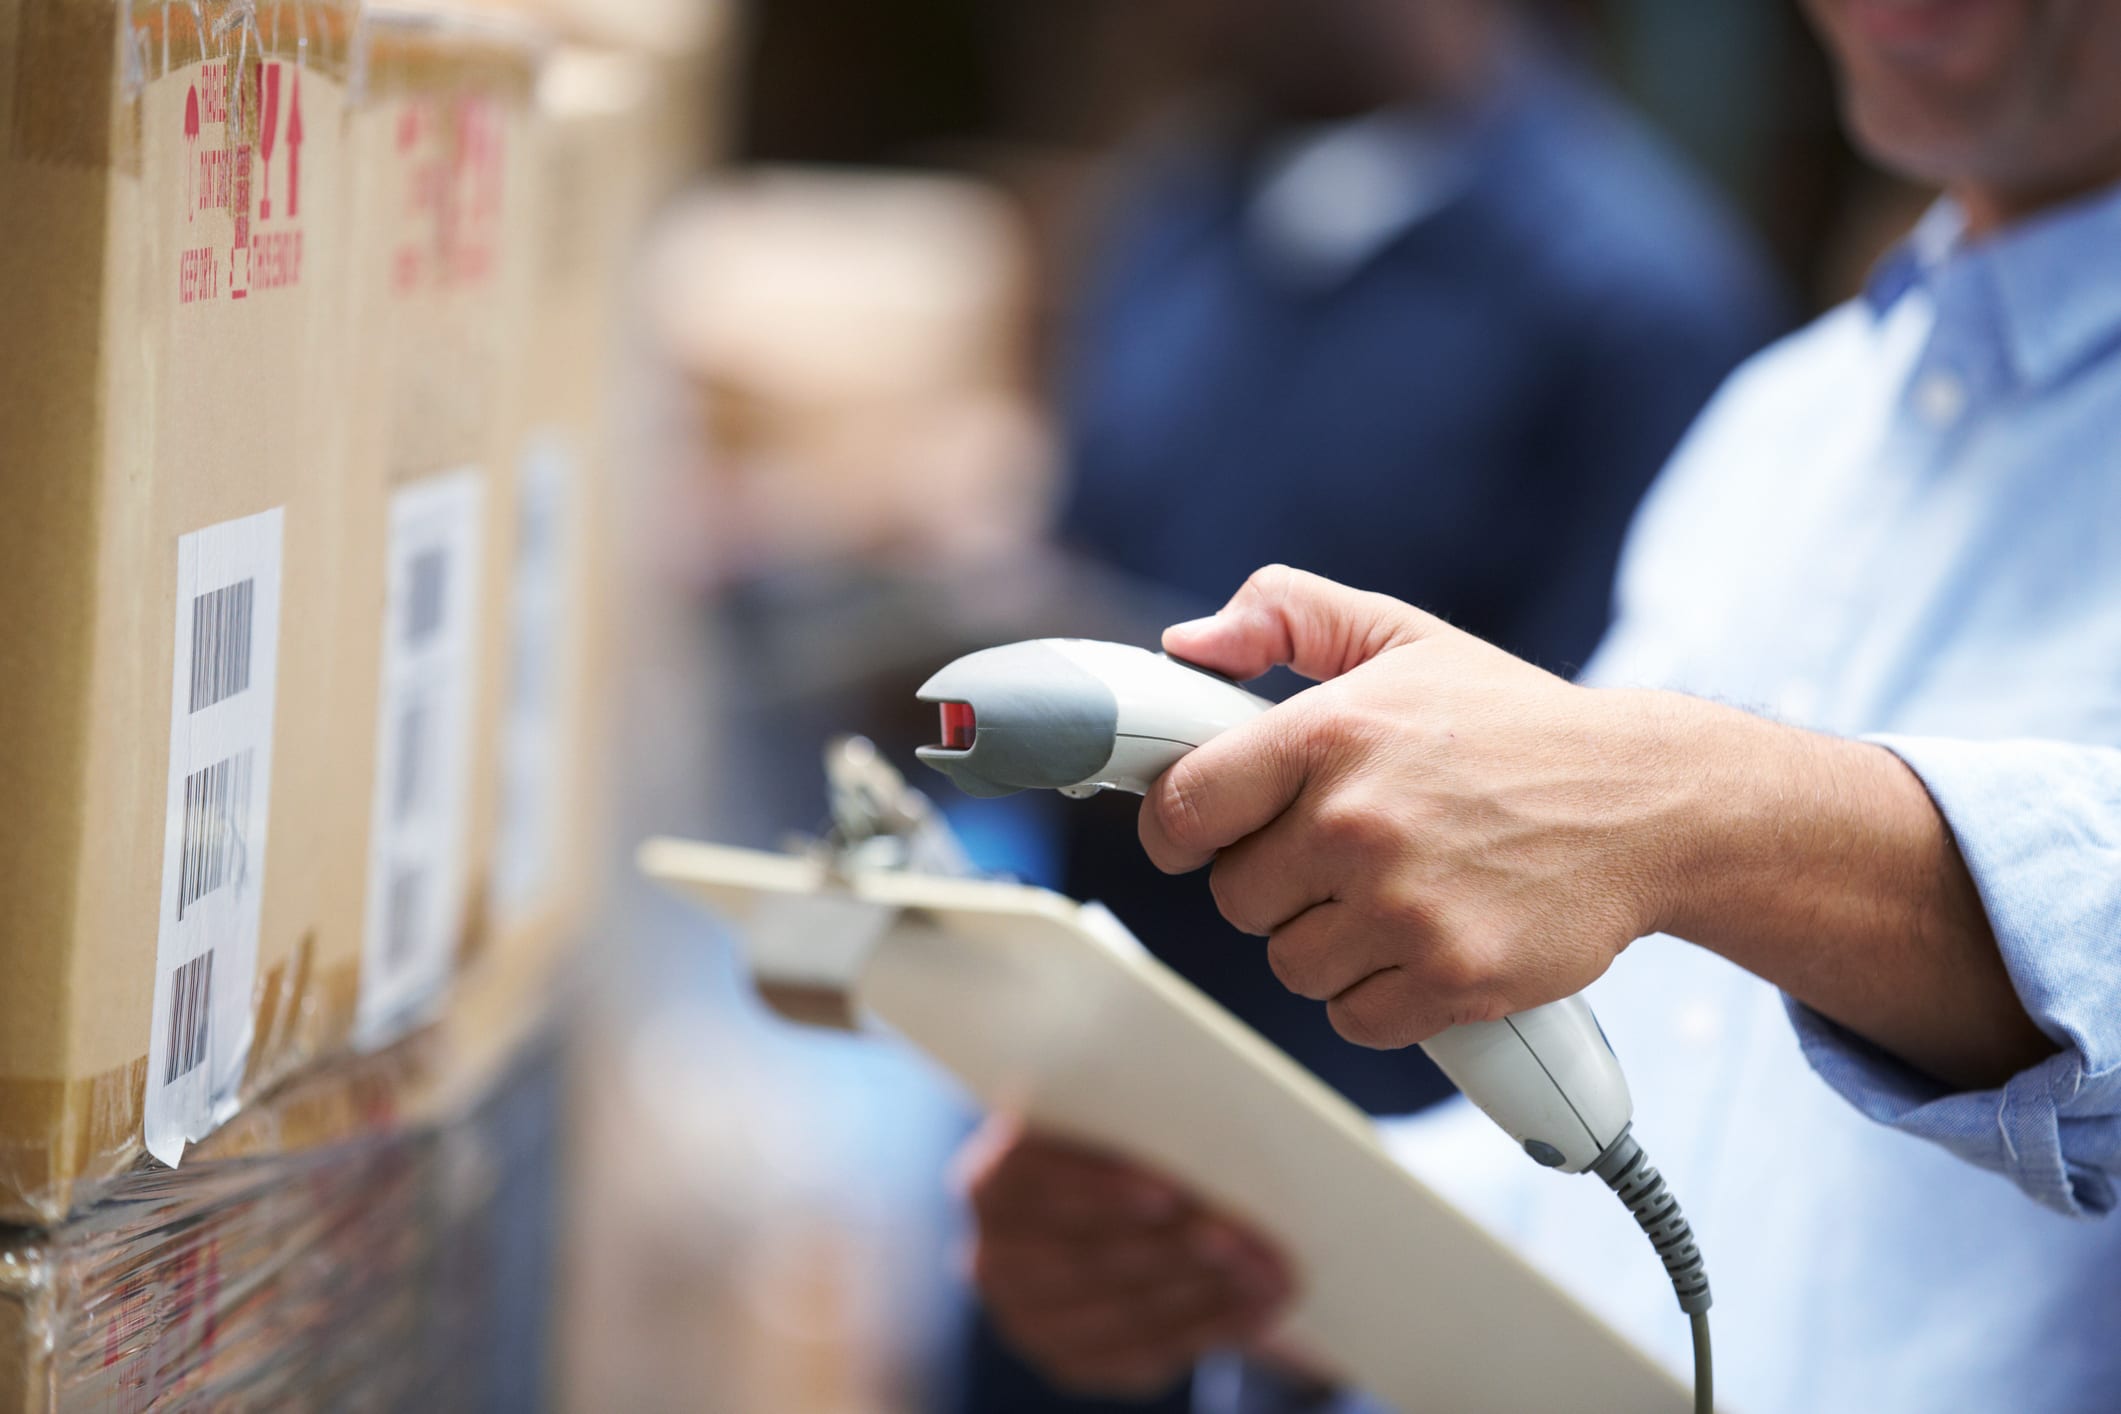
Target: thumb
column 1285, row 616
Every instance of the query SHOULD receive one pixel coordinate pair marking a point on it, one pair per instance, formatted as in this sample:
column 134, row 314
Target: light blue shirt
column 1902, row 523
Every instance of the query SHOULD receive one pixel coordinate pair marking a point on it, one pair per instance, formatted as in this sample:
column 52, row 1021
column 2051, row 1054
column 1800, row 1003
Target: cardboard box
column 441, row 202
column 592, row 144
column 258, row 508
column 171, row 208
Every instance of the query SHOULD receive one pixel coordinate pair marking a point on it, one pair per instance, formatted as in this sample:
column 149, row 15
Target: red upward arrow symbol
column 191, row 141
column 294, row 147
column 268, row 132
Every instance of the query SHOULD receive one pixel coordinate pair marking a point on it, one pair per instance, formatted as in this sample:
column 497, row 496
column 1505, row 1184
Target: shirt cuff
column 2018, row 1130
column 2039, row 825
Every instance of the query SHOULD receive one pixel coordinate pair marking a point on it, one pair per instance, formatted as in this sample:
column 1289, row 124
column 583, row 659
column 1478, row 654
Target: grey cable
column 1629, row 1173
column 1704, row 1366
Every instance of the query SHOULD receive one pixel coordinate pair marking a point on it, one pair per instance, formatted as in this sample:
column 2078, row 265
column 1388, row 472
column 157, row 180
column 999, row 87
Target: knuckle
column 1229, row 888
column 1350, row 822
column 1175, row 807
column 1401, row 904
column 1458, row 971
column 1291, row 967
column 1378, row 1015
column 1270, row 582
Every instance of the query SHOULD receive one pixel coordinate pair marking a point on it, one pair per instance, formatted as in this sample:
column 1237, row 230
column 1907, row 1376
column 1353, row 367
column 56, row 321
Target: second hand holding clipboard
column 1079, row 717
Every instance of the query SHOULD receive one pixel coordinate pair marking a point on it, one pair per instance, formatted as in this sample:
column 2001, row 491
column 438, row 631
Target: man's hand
column 1437, row 833
column 1441, row 833
column 1106, row 1277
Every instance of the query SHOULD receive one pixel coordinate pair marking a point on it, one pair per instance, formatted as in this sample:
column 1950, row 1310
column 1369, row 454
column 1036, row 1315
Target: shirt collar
column 1332, row 197
column 2052, row 281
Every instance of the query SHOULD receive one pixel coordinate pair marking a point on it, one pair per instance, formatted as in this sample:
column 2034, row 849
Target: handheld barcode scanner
column 1080, row 717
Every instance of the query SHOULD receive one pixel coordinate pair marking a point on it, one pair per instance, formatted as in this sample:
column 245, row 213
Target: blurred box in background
column 857, row 343
column 170, row 389
column 682, row 48
column 441, row 209
column 593, row 149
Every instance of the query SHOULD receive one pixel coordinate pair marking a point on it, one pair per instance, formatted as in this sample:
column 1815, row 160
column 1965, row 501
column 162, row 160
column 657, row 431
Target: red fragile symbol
column 268, row 132
column 294, row 145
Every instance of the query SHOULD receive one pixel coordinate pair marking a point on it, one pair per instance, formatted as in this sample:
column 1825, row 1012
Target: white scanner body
column 1079, row 717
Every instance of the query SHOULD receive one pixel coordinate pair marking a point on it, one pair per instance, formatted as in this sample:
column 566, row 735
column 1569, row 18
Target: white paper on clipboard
column 1049, row 1008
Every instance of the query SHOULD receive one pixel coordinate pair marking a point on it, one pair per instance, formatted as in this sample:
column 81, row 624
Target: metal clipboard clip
column 806, row 951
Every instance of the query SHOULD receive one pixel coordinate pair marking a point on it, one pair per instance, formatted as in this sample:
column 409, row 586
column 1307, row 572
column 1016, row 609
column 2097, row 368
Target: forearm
column 1822, row 865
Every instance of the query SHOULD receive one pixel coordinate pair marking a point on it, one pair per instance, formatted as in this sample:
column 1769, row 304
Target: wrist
column 1752, row 822
column 1716, row 807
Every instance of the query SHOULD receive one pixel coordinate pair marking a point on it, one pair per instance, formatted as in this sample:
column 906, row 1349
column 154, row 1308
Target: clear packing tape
column 63, row 1142
column 396, row 1270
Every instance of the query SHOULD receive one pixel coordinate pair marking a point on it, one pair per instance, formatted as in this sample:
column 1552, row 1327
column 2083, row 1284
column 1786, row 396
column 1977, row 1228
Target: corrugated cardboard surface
column 138, row 405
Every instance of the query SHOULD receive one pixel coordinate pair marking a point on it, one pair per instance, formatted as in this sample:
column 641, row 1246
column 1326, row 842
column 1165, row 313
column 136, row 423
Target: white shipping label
column 537, row 722
column 213, row 838
column 418, row 810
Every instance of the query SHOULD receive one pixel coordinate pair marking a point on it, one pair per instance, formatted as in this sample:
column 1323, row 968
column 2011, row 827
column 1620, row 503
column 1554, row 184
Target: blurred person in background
column 1888, row 1080
column 1410, row 301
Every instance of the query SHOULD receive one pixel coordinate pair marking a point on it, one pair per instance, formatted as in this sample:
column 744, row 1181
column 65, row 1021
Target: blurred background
column 981, row 322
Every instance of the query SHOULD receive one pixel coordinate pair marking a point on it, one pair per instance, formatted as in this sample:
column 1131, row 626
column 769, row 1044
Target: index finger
column 1219, row 793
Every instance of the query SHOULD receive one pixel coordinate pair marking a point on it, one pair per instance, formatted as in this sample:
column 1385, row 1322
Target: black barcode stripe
column 402, row 921
column 424, row 597
column 221, row 643
column 216, row 819
column 412, row 758
column 191, row 995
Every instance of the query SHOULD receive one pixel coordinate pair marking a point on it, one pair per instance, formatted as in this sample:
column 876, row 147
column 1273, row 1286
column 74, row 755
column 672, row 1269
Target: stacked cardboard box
column 295, row 738
column 406, row 1267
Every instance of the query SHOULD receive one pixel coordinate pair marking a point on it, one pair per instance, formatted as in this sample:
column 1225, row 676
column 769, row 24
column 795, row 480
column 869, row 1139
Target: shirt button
column 1941, row 397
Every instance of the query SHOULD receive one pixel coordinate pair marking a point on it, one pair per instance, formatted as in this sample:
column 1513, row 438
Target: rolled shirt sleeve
column 2039, row 825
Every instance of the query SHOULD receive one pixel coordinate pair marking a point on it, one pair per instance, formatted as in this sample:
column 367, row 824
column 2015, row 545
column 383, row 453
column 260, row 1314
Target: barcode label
column 537, row 715
column 216, row 802
column 191, row 996
column 421, row 793
column 226, row 629
column 220, row 643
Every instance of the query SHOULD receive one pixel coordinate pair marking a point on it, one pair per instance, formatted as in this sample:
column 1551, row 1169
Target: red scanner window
column 959, row 727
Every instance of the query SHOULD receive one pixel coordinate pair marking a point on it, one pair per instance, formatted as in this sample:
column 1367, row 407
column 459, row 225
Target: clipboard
column 1053, row 1010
